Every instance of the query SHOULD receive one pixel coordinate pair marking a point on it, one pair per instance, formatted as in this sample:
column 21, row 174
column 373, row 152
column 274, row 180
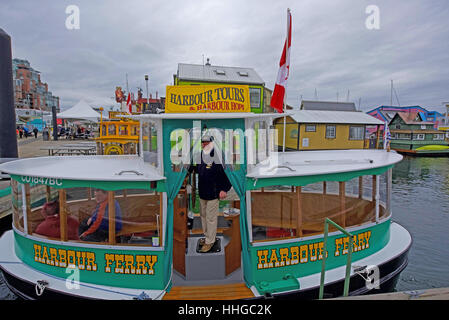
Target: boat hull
column 389, row 272
column 423, row 153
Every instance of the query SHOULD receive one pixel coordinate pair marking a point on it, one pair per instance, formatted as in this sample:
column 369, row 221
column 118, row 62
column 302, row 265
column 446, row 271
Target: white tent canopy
column 80, row 111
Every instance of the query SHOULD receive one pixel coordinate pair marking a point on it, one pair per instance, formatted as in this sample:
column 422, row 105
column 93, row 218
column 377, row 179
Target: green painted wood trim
column 305, row 257
column 252, row 183
column 105, row 185
column 28, row 249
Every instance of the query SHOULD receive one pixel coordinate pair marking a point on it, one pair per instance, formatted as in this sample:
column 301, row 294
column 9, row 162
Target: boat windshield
column 149, row 142
column 279, row 212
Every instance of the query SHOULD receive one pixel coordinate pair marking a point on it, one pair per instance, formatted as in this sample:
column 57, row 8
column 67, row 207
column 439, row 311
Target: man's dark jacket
column 211, row 179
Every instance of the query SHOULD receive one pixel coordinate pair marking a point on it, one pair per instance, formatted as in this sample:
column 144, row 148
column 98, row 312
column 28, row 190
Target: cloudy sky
column 333, row 51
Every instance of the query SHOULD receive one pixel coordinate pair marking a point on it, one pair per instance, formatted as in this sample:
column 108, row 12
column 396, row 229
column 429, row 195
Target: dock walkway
column 426, row 294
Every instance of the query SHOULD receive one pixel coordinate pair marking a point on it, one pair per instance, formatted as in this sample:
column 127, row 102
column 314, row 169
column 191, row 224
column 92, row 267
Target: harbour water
column 420, row 203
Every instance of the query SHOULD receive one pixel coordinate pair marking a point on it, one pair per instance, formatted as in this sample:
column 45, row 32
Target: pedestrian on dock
column 35, row 132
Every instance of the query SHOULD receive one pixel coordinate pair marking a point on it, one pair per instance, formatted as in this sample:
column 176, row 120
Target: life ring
column 113, row 149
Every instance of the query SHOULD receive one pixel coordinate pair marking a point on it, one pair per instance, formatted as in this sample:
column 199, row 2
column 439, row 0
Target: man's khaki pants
column 209, row 215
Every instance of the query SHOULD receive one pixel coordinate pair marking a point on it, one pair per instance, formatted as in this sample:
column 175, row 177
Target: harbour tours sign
column 210, row 98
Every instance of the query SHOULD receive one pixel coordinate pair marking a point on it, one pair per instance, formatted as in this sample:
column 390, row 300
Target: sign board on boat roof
column 207, row 98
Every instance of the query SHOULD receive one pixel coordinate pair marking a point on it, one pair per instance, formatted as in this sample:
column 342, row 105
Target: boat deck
column 214, row 292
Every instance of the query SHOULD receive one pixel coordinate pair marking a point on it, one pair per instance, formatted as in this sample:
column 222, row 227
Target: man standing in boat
column 213, row 186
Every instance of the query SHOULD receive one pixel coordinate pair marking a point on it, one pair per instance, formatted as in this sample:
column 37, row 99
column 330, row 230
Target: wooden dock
column 426, row 294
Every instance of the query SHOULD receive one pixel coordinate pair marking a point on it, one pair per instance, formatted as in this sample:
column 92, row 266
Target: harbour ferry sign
column 209, row 98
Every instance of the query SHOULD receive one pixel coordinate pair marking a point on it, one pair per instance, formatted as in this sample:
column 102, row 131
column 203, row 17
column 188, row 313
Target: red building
column 29, row 91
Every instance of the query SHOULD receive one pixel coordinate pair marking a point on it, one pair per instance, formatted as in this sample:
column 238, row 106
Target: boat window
column 123, row 130
column 17, row 204
column 134, row 130
column 280, row 212
column 82, row 215
column 103, row 130
column 261, row 142
column 149, row 142
column 141, row 217
column 111, row 130
column 418, row 136
column 130, row 148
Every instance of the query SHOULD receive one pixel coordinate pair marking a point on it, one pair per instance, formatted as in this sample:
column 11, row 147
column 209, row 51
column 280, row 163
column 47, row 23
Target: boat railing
column 323, row 263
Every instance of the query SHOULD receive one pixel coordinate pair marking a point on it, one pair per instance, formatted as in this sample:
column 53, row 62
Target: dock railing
column 323, row 264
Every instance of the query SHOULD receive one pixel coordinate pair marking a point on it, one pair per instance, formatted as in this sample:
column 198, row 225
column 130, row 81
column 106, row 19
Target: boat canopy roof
column 325, row 162
column 208, row 115
column 88, row 168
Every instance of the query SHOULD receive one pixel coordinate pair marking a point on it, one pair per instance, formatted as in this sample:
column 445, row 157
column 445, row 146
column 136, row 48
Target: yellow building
column 320, row 130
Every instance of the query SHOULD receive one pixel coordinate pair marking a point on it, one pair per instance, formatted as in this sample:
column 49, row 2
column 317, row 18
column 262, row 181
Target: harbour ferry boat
column 295, row 214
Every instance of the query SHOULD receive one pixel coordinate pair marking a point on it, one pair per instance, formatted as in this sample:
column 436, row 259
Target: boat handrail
column 348, row 261
column 130, row 171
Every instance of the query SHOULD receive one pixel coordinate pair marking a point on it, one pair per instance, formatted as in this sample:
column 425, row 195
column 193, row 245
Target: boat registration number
column 40, row 180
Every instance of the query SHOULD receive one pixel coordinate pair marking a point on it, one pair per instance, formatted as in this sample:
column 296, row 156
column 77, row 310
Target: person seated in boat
column 51, row 226
column 96, row 227
column 213, row 186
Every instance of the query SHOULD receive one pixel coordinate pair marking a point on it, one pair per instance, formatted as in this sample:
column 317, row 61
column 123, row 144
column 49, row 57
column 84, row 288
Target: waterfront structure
column 275, row 239
column 29, row 91
column 320, row 130
column 411, row 134
column 327, row 106
column 118, row 135
column 386, row 113
column 444, row 124
column 207, row 74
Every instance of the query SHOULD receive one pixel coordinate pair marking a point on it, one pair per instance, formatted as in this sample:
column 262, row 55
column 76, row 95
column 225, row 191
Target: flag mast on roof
column 280, row 89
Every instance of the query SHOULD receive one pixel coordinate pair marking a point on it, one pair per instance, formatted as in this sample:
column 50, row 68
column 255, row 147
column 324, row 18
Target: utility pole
column 391, row 94
column 148, row 97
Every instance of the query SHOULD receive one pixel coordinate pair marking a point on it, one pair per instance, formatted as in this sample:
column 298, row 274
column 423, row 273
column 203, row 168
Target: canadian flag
column 129, row 104
column 277, row 100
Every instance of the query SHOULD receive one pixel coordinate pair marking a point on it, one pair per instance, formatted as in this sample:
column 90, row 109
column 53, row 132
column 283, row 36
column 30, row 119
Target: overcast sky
column 332, row 50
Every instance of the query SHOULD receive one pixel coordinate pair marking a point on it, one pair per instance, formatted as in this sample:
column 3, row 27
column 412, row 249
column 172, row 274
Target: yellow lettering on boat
column 311, row 252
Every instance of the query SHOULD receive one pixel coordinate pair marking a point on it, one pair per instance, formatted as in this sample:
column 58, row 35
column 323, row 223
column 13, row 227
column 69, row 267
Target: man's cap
column 206, row 138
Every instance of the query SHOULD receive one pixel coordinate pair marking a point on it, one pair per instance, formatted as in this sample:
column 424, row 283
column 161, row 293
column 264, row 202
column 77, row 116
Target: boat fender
column 40, row 287
column 142, row 296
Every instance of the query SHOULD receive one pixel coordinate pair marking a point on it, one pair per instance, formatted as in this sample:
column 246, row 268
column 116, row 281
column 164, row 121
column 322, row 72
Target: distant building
column 193, row 74
column 387, row 113
column 29, row 91
column 412, row 134
column 150, row 105
column 326, row 130
column 327, row 106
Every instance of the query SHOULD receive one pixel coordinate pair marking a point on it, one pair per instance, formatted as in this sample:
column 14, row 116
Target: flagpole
column 287, row 53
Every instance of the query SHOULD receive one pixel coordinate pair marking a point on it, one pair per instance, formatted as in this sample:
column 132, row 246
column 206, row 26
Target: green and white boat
column 272, row 236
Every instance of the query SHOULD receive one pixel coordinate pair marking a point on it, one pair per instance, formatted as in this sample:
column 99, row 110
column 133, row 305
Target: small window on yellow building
column 356, row 133
column 331, row 132
column 311, row 128
column 294, row 134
